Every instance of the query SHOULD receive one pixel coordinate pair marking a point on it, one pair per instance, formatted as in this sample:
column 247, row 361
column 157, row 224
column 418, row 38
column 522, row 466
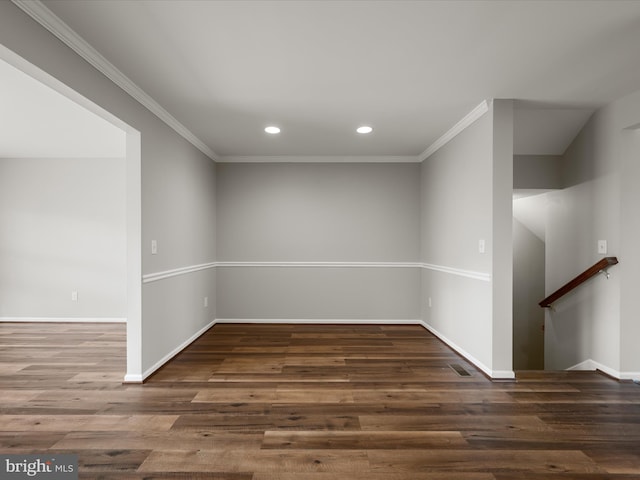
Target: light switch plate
column 602, row 247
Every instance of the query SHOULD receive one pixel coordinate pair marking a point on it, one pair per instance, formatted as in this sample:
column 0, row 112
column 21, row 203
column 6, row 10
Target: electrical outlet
column 429, row 302
column 602, row 247
column 206, row 301
column 481, row 246
column 74, row 296
column 154, row 247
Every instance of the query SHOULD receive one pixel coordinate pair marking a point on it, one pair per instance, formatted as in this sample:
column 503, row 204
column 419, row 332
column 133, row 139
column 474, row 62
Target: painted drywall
column 179, row 203
column 536, row 172
column 528, row 290
column 321, row 293
column 62, row 229
column 184, row 231
column 596, row 323
column 466, row 199
column 318, row 213
column 502, row 230
column 456, row 213
column 629, row 241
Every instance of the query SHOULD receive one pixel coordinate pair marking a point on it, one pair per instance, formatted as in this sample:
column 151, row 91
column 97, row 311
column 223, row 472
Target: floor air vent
column 459, row 369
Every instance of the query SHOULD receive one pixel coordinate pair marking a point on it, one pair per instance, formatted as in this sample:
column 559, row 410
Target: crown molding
column 319, row 159
column 45, row 17
column 465, row 122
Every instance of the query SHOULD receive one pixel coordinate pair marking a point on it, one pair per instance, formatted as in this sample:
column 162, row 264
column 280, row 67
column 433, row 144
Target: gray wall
column 466, row 197
column 185, row 231
column 597, row 322
column 456, row 213
column 62, row 229
column 179, row 213
column 629, row 241
column 528, row 290
column 537, row 171
column 345, row 213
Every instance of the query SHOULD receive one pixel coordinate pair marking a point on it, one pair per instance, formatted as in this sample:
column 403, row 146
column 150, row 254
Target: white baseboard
column 635, row 376
column 493, row 374
column 63, row 320
column 147, row 373
column 592, row 365
column 586, row 365
column 133, row 378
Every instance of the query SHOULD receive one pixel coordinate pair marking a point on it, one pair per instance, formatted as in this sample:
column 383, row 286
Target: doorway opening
column 48, row 256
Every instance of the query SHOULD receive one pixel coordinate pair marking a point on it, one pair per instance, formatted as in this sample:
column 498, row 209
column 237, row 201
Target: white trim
column 485, row 277
column 63, row 320
column 45, row 17
column 154, row 277
column 320, row 321
column 319, row 159
column 133, row 378
column 609, row 371
column 466, row 121
column 635, row 376
column 586, row 365
column 493, row 374
column 592, row 365
column 148, row 372
column 134, row 253
column 322, row 264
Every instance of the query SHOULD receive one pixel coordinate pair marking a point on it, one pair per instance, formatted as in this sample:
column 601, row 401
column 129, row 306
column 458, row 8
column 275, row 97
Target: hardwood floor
column 306, row 402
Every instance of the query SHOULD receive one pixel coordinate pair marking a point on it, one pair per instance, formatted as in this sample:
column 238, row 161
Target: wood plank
column 453, row 423
column 368, row 475
column 263, row 461
column 307, row 402
column 535, row 461
column 340, row 440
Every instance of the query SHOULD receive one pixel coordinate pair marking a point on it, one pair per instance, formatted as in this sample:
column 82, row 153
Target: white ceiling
column 319, row 69
column 38, row 122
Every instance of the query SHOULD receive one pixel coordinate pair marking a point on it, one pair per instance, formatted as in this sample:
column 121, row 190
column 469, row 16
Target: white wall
column 327, row 214
column 62, row 229
column 595, row 325
column 184, row 230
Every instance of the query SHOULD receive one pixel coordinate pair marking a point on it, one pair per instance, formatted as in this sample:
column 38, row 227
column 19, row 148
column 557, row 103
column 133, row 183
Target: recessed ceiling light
column 364, row 129
column 272, row 130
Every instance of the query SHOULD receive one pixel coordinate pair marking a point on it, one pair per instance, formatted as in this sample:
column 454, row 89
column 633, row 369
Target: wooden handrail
column 601, row 266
